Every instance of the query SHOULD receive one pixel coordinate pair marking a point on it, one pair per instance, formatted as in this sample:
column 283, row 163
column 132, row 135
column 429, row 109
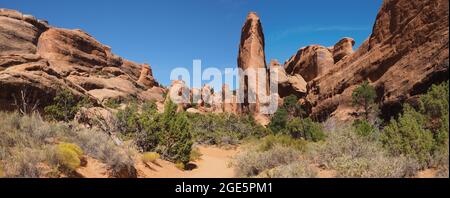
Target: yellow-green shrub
column 180, row 165
column 195, row 155
column 1, row 172
column 150, row 157
column 69, row 156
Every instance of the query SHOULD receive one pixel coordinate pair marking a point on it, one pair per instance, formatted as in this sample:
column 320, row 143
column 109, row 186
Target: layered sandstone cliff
column 41, row 60
column 406, row 53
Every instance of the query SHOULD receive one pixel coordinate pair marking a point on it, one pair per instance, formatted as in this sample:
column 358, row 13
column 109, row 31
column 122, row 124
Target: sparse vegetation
column 305, row 129
column 167, row 133
column 224, row 129
column 422, row 134
column 29, row 146
column 252, row 162
column 65, row 106
column 113, row 103
column 352, row 155
column 364, row 97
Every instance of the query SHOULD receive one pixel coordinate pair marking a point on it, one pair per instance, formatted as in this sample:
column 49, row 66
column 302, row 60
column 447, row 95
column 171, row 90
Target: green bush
column 127, row 120
column 175, row 143
column 422, row 134
column 408, row 136
column 305, row 129
column 113, row 103
column 352, row 155
column 364, row 97
column 224, row 129
column 65, row 106
column 364, row 128
column 279, row 121
column 293, row 107
column 435, row 106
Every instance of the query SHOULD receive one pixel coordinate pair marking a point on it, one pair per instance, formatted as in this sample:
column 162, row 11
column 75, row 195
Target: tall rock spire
column 252, row 56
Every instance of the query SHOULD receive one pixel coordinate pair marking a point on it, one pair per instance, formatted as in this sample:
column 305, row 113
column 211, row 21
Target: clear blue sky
column 171, row 33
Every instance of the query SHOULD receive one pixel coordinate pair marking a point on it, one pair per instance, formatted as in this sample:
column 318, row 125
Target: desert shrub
column 100, row 146
column 434, row 105
column 167, row 133
column 252, row 162
column 1, row 172
column 28, row 150
column 269, row 142
column 293, row 107
column 352, row 155
column 113, row 103
column 172, row 133
column 24, row 163
column 149, row 122
column 435, row 102
column 69, row 156
column 180, row 166
column 422, row 133
column 305, row 129
column 364, row 128
column 195, row 155
column 224, row 129
column 364, row 97
column 298, row 169
column 127, row 120
column 279, row 121
column 408, row 136
column 65, row 106
column 150, row 157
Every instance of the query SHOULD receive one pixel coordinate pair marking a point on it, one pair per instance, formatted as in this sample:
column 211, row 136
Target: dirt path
column 213, row 164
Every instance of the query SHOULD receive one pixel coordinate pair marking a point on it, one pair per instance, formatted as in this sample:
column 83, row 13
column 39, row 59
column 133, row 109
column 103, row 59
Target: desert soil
column 214, row 163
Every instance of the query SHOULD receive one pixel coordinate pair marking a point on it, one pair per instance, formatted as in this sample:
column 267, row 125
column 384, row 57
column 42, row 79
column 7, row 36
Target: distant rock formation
column 42, row 60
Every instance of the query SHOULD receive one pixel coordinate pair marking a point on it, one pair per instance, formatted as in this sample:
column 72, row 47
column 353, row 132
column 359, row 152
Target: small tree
column 293, row 107
column 408, row 136
column 364, row 97
column 279, row 121
column 65, row 106
column 175, row 142
column 306, row 129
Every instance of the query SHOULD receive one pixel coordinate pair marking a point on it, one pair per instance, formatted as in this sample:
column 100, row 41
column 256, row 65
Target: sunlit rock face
column 252, row 59
column 42, row 60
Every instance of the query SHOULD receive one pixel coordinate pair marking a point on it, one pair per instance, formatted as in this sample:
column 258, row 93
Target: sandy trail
column 213, row 164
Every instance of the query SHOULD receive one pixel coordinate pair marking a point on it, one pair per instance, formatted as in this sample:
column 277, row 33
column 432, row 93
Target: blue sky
column 171, row 33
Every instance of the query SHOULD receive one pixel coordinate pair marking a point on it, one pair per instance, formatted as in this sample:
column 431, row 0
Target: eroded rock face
column 252, row 57
column 406, row 53
column 288, row 84
column 18, row 33
column 42, row 60
column 310, row 62
column 343, row 48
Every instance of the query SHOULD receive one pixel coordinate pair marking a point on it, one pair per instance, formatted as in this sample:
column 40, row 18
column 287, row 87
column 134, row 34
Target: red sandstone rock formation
column 42, row 60
column 406, row 53
column 252, row 56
